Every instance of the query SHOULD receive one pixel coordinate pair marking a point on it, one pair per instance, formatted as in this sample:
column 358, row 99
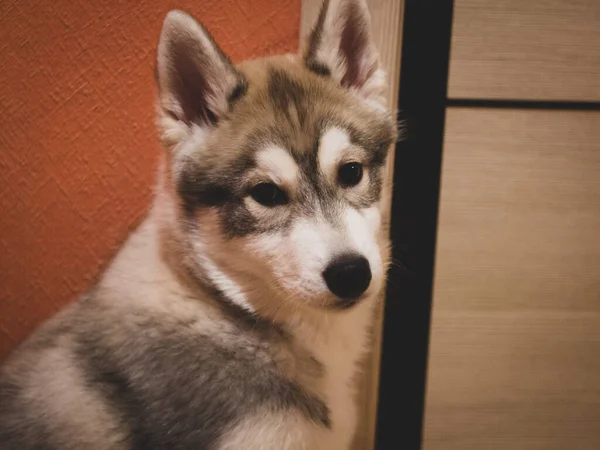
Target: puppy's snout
column 348, row 276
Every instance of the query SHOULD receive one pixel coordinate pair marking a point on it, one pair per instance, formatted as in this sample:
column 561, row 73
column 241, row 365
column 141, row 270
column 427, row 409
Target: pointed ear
column 196, row 80
column 341, row 46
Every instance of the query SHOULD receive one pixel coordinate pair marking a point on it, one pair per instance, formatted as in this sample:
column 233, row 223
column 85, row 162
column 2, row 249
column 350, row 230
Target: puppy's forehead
column 289, row 123
column 291, row 106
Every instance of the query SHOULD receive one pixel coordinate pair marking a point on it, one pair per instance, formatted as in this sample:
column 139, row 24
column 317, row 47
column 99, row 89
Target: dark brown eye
column 267, row 194
column 350, row 174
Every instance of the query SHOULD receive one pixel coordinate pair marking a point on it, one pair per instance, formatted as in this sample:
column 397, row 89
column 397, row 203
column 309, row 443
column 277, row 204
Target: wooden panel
column 526, row 49
column 386, row 19
column 515, row 345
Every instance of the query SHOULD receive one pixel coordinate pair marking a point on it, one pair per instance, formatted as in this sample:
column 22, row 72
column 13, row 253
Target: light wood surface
column 515, row 343
column 386, row 19
column 526, row 49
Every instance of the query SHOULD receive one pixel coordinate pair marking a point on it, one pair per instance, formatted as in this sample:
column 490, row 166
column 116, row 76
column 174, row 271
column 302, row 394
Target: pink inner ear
column 353, row 47
column 189, row 81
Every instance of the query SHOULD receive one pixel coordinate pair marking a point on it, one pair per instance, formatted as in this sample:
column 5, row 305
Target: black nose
column 348, row 276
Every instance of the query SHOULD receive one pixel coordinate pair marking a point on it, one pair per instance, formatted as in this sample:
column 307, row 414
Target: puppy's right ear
column 196, row 80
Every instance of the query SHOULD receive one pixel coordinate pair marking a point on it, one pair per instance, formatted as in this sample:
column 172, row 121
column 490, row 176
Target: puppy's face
column 277, row 163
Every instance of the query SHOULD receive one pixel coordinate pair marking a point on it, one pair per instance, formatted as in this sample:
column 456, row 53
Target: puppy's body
column 221, row 323
column 140, row 363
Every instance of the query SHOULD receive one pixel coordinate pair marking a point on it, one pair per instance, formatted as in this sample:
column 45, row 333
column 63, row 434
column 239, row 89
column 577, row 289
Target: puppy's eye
column 350, row 174
column 267, row 194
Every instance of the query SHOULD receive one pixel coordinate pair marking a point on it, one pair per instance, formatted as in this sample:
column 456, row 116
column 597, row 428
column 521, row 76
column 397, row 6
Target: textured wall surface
column 78, row 145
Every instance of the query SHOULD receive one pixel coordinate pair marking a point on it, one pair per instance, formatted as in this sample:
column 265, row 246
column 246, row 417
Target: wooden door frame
column 426, row 39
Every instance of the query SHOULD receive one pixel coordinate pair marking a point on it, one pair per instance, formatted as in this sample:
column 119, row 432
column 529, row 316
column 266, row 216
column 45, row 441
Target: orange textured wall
column 78, row 146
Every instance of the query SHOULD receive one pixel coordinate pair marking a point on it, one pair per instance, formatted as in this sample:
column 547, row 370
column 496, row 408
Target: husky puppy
column 235, row 314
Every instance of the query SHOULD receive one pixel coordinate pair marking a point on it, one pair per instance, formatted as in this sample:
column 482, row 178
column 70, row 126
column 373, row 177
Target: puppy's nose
column 348, row 276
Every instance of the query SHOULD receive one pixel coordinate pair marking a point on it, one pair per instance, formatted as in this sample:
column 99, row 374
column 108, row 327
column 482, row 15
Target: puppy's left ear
column 341, row 46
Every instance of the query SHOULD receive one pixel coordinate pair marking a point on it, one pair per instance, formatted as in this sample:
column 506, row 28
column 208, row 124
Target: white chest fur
column 339, row 346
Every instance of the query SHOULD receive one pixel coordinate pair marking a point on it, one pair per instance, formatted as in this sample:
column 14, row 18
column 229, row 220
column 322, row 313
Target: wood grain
column 386, row 19
column 515, row 345
column 526, row 49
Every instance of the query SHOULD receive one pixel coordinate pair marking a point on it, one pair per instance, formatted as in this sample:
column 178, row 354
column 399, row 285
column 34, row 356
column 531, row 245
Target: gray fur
column 167, row 385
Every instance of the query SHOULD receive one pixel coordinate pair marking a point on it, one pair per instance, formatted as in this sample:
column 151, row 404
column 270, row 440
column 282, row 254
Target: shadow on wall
column 78, row 147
